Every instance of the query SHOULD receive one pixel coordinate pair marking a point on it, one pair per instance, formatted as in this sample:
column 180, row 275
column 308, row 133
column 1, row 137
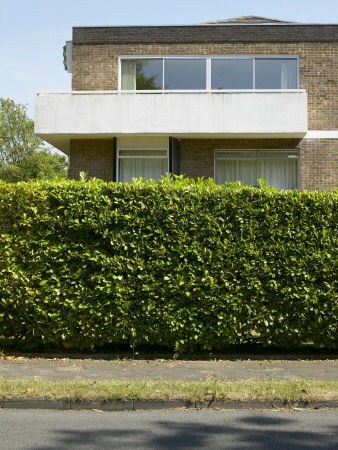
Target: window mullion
column 256, row 164
column 163, row 87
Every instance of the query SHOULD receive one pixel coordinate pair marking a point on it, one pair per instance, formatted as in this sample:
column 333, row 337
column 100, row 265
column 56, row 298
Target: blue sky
column 33, row 32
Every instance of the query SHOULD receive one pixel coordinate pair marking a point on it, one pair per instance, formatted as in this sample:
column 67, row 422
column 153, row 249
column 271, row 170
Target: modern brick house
column 238, row 99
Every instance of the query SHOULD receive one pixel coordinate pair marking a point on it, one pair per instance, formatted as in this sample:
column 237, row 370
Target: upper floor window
column 141, row 74
column 209, row 73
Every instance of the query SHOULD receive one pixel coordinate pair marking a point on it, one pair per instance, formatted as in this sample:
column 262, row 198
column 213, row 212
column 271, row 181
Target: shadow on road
column 228, row 432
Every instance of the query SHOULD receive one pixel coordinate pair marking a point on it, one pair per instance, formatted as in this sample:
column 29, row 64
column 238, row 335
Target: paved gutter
column 138, row 405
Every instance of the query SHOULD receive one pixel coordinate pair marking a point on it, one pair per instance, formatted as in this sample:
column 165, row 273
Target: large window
column 275, row 73
column 209, row 73
column 278, row 168
column 142, row 157
column 142, row 74
column 232, row 74
column 184, row 73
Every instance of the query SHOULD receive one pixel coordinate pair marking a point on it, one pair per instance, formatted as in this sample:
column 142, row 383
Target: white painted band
column 321, row 134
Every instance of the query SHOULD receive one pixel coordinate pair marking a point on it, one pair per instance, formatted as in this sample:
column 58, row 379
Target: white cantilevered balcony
column 60, row 117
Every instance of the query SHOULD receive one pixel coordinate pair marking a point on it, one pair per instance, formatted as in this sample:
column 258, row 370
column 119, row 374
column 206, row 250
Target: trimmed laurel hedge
column 183, row 264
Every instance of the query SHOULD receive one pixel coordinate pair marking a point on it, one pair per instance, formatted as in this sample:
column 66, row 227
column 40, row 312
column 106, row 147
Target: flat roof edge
column 293, row 24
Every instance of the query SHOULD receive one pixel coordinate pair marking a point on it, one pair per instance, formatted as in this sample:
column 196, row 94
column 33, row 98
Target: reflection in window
column 185, row 74
column 141, row 74
column 231, row 74
column 275, row 73
column 277, row 168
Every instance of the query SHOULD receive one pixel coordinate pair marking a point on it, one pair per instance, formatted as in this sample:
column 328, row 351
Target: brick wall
column 197, row 155
column 94, row 156
column 319, row 164
column 95, row 67
column 318, row 158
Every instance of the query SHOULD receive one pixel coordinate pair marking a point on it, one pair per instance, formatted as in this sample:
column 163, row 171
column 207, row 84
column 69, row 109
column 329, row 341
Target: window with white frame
column 278, row 168
column 208, row 73
column 141, row 157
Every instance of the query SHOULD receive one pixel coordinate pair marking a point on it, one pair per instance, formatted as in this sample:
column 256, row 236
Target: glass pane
column 236, row 154
column 141, row 74
column 147, row 168
column 230, row 171
column 184, row 74
column 150, row 153
column 280, row 174
column 278, row 154
column 276, row 73
column 231, row 74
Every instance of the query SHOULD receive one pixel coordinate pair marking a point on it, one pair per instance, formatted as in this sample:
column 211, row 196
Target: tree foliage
column 23, row 156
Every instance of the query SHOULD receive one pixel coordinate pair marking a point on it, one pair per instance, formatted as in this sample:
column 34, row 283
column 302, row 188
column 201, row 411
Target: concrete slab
column 102, row 369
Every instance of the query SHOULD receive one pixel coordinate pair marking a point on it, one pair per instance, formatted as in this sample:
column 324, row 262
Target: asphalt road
column 209, row 429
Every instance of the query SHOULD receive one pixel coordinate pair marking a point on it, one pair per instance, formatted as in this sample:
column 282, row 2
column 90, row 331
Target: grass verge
column 249, row 389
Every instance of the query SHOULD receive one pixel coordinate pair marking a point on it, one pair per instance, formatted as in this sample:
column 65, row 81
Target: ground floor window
column 141, row 157
column 278, row 168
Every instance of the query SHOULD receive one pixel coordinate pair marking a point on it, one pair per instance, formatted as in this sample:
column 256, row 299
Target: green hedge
column 183, row 264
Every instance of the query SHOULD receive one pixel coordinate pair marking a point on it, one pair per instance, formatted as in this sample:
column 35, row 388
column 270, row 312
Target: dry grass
column 166, row 390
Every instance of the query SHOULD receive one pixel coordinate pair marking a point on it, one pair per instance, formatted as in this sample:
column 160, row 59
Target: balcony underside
column 90, row 115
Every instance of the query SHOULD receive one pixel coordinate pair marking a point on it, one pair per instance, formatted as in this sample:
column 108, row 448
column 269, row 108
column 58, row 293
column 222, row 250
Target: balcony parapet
column 61, row 116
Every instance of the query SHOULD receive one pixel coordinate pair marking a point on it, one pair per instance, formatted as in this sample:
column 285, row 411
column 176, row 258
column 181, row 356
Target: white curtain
column 128, row 72
column 278, row 173
column 288, row 74
column 242, row 170
column 148, row 168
